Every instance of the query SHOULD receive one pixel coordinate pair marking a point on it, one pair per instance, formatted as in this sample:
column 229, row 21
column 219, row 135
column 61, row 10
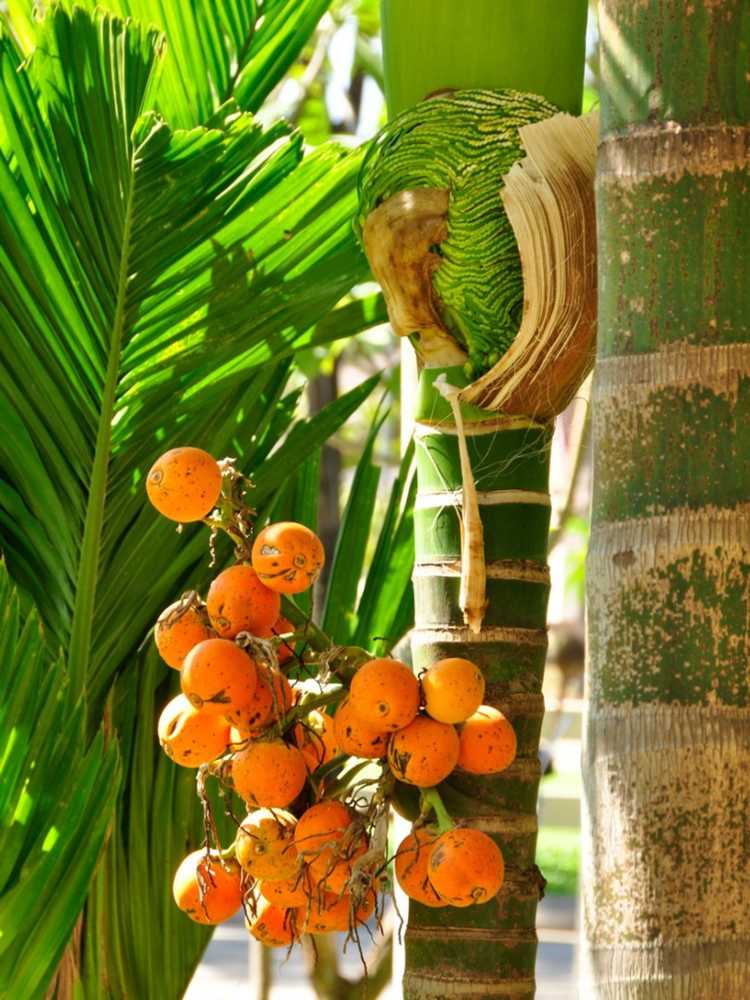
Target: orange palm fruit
column 237, row 602
column 332, row 867
column 179, row 628
column 274, row 926
column 453, row 689
column 355, row 737
column 328, row 912
column 265, row 845
column 206, row 888
column 269, row 772
column 287, row 892
column 487, row 742
column 465, row 867
column 321, row 826
column 184, row 484
column 384, row 694
column 189, row 736
column 424, row 753
column 411, row 861
column 316, row 739
column 219, row 677
column 273, row 697
column 288, row 557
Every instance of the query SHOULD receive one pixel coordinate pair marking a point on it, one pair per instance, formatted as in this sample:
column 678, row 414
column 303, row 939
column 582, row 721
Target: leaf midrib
column 79, row 650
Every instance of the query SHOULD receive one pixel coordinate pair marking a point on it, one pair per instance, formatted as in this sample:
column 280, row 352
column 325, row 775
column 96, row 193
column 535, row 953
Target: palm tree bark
column 667, row 754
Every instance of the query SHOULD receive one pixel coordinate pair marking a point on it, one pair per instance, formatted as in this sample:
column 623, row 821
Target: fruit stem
column 314, row 636
column 431, row 797
column 306, row 706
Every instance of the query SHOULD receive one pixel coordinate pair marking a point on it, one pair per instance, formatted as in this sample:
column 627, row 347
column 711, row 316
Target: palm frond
column 56, row 801
column 373, row 607
column 216, row 49
column 154, row 284
column 160, row 257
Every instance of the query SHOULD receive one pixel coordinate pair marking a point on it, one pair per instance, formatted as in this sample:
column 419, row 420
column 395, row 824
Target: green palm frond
column 369, row 600
column 154, row 285
column 56, row 801
column 216, row 51
column 160, row 259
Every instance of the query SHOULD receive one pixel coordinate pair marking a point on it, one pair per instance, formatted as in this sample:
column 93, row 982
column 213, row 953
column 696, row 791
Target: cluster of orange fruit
column 307, row 875
column 427, row 728
column 240, row 713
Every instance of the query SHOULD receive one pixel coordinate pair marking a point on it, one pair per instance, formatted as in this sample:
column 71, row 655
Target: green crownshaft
column 464, row 143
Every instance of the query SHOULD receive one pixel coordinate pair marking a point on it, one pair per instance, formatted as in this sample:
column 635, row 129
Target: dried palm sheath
column 477, row 218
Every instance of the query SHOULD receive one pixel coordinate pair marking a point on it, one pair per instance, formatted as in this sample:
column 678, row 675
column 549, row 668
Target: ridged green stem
column 536, row 47
column 485, row 950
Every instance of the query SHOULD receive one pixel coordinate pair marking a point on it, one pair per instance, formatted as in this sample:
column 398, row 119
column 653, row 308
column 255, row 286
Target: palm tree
column 155, row 283
column 665, row 760
column 501, row 352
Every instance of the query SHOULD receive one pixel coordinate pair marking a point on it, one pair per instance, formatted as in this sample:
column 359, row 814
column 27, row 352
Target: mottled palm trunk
column 486, row 950
column 667, row 756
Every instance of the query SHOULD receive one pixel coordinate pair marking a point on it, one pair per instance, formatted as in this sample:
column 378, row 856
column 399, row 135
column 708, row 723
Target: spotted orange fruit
column 184, row 484
column 219, row 677
column 265, row 845
column 424, row 753
column 333, row 866
column 487, row 742
column 207, row 888
column 237, row 602
column 384, row 694
column 321, row 826
column 287, row 892
column 275, row 926
column 273, row 697
column 269, row 772
column 328, row 912
column 288, row 557
column 465, row 867
column 411, row 866
column 355, row 737
column 179, row 628
column 453, row 689
column 189, row 736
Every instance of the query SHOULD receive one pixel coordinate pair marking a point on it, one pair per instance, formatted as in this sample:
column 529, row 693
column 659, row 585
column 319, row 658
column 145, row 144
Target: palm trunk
column 490, row 950
column 487, row 950
column 667, row 756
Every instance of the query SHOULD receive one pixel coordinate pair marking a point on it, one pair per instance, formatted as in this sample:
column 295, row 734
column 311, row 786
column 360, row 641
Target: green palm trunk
column 490, row 947
column 667, row 757
column 536, row 48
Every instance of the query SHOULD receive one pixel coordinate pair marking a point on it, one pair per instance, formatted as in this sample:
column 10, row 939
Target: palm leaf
column 385, row 610
column 134, row 238
column 215, row 51
column 349, row 555
column 56, row 801
column 369, row 601
column 154, row 284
